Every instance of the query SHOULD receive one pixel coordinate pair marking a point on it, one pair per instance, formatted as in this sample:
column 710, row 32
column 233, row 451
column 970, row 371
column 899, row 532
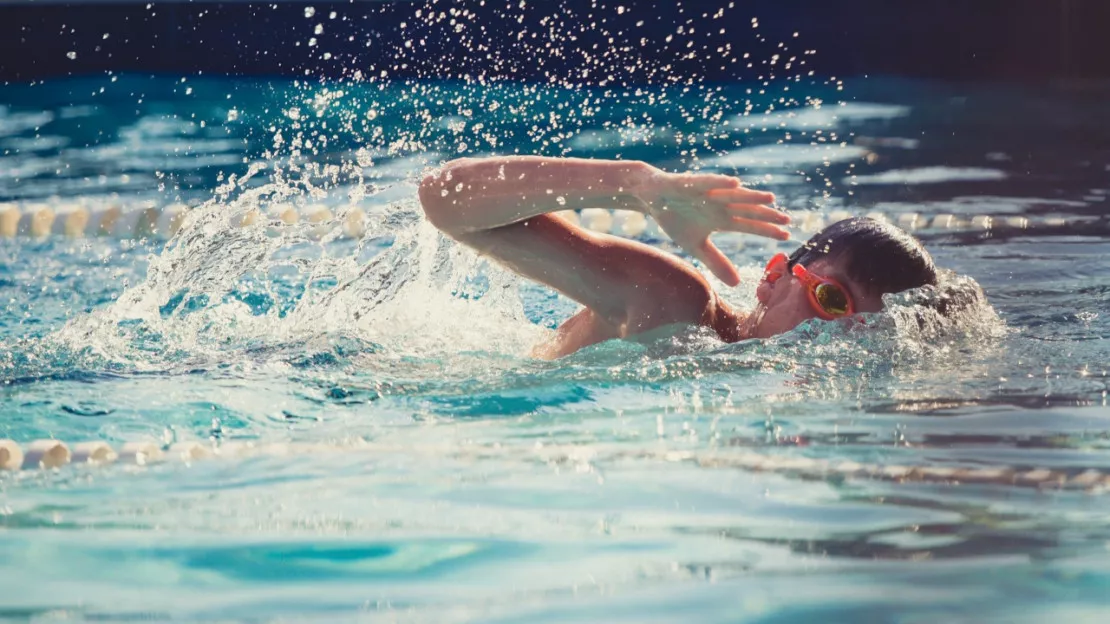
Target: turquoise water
column 411, row 463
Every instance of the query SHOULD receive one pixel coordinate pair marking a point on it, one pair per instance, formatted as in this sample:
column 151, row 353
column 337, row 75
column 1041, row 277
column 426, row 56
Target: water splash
column 272, row 290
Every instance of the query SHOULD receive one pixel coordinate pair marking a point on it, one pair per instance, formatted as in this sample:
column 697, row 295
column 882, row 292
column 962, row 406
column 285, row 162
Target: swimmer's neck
column 588, row 328
column 732, row 325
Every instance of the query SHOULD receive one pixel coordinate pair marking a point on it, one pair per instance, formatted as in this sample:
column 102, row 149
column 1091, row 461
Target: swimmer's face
column 785, row 302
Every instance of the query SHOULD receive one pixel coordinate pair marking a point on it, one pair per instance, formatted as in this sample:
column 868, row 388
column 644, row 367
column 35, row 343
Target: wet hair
column 878, row 256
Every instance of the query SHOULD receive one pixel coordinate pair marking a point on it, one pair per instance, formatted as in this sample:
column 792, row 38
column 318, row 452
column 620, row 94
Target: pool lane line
column 53, row 455
column 147, row 220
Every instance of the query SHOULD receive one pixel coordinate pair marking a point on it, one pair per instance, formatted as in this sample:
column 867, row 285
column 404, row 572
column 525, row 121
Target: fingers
column 740, row 195
column 718, row 263
column 758, row 213
column 759, row 228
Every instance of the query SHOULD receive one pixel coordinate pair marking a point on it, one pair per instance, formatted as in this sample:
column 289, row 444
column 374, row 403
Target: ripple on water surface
column 398, row 450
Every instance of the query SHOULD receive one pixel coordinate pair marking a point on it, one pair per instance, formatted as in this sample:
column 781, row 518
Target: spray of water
column 271, row 293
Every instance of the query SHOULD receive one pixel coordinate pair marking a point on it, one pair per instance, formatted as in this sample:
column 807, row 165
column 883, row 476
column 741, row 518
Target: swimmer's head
column 844, row 269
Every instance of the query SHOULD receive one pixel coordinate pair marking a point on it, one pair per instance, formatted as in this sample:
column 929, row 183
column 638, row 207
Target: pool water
column 387, row 450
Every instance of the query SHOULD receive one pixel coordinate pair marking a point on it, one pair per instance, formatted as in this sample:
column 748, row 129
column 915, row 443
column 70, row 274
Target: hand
column 690, row 206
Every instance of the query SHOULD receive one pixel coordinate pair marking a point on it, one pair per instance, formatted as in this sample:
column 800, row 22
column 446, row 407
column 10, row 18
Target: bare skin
column 502, row 207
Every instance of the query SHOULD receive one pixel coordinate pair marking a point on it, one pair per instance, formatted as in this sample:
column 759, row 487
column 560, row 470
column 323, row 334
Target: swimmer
column 504, row 207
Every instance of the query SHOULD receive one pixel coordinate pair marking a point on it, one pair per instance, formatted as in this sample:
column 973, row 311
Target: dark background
column 1010, row 40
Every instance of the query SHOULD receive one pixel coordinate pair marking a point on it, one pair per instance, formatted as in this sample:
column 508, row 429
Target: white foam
column 170, row 220
column 931, row 175
column 824, row 117
column 780, row 156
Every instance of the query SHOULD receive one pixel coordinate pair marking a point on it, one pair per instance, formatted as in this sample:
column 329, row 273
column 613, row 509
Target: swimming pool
column 365, row 437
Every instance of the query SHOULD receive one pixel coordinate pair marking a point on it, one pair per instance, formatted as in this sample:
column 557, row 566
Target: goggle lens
column 826, row 295
column 832, row 299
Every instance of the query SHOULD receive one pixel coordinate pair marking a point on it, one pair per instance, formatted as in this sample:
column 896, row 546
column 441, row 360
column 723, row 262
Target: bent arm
column 500, row 206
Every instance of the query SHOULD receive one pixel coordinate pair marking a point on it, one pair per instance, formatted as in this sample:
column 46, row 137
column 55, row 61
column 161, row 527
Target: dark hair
column 878, row 256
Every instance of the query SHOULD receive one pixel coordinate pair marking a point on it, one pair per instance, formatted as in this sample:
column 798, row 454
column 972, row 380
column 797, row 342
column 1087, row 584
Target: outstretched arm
column 500, row 207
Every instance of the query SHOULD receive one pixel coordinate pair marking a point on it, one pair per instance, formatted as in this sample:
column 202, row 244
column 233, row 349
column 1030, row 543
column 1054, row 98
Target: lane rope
column 54, row 455
column 146, row 220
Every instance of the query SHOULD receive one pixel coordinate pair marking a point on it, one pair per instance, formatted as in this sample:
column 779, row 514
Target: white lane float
column 189, row 452
column 141, row 453
column 942, row 222
column 597, row 219
column 9, row 220
column 632, row 223
column 909, row 221
column 52, row 454
column 102, row 220
column 11, row 456
column 285, row 213
column 137, row 222
column 70, row 221
column 249, row 218
column 45, row 454
column 35, row 221
column 321, row 218
column 982, row 222
column 353, row 221
column 95, row 453
column 146, row 220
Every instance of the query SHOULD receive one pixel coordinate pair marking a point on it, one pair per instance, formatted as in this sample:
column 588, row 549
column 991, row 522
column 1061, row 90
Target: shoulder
column 670, row 291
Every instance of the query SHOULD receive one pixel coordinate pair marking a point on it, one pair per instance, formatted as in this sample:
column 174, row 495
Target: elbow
column 440, row 200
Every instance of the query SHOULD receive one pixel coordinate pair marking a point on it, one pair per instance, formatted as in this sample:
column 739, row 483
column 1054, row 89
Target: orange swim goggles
column 828, row 297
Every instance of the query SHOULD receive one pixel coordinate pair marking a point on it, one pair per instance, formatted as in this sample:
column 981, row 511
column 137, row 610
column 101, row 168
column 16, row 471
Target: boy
column 501, row 207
